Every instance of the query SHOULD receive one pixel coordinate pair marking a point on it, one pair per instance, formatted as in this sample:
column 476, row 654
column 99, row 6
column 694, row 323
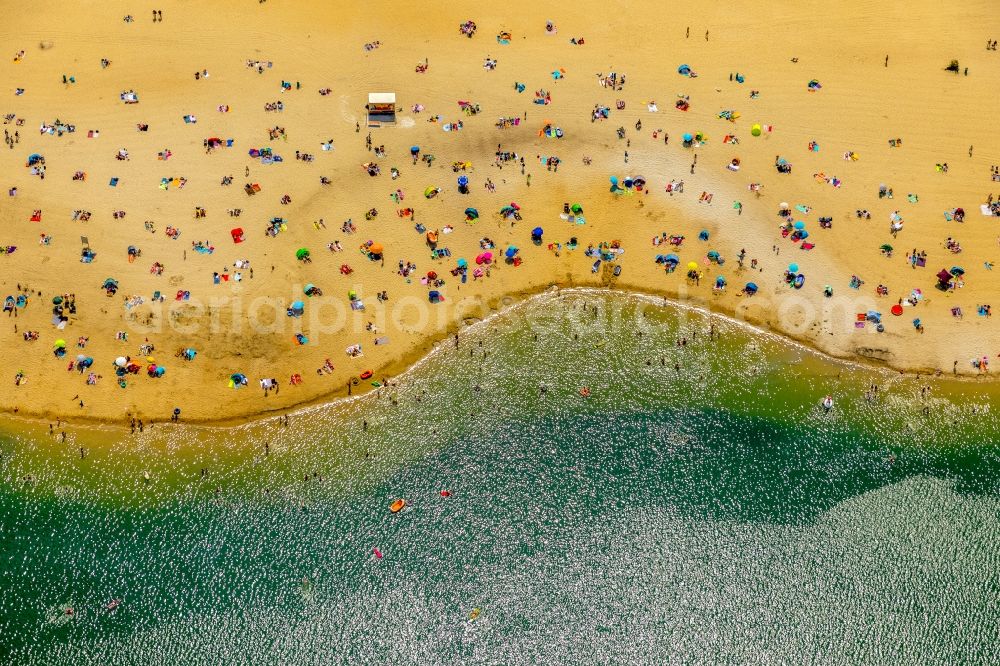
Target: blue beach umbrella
column 793, row 268
column 800, row 225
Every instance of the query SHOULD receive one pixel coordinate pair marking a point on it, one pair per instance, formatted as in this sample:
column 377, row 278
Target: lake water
column 699, row 507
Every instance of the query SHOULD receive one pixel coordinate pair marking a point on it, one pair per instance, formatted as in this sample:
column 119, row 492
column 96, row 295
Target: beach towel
column 808, row 246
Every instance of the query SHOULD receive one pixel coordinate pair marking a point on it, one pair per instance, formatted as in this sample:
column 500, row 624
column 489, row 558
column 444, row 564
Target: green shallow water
column 699, row 507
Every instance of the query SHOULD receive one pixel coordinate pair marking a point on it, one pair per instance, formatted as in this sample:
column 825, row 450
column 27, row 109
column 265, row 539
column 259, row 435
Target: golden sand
column 243, row 328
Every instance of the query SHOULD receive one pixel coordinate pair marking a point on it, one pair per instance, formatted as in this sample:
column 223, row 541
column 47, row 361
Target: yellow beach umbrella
column 60, row 343
column 692, row 266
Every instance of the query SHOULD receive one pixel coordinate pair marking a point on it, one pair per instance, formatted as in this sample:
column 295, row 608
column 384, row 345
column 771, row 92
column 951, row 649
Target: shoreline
column 238, row 328
column 420, row 355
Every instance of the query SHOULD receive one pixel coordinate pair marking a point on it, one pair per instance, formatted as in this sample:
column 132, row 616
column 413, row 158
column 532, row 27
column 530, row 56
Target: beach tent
column 237, row 379
column 381, row 109
column 511, row 252
column 296, row 309
column 684, row 70
column 471, row 214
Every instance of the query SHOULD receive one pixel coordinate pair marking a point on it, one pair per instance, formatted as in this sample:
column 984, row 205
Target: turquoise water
column 701, row 508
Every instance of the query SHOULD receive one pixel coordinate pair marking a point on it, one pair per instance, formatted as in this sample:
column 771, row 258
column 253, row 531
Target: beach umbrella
column 673, row 259
column 121, row 362
column 692, row 266
column 751, row 287
column 638, row 181
column 430, row 191
column 755, row 129
column 463, row 181
column 301, row 253
column 414, row 150
column 511, row 251
column 57, row 300
column 800, row 225
column 298, row 305
column 614, row 180
column 794, row 268
column 720, row 281
column 713, row 254
column 471, row 214
column 886, row 247
column 537, row 231
column 60, row 344
column 687, row 136
column 462, row 263
column 576, row 208
column 309, row 287
column 957, row 270
column 896, row 310
column 376, row 248
column 484, row 258
column 80, row 358
column 783, row 205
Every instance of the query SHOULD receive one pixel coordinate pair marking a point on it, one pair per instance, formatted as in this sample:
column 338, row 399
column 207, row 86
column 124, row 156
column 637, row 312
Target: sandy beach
column 144, row 96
